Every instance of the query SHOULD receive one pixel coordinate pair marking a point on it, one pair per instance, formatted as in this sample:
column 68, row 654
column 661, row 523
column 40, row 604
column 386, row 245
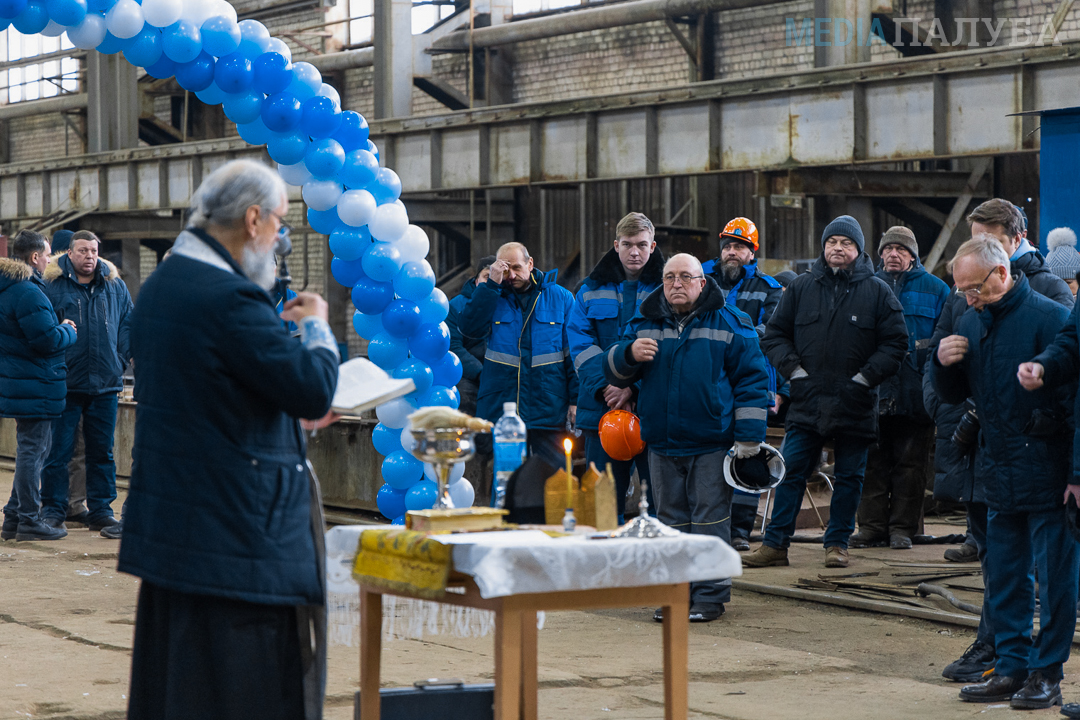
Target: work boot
column 11, row 526
column 965, row 553
column 38, row 530
column 836, row 557
column 740, row 543
column 973, row 665
column 1038, row 692
column 102, row 523
column 997, row 689
column 863, row 539
column 113, row 532
column 899, row 542
column 705, row 612
column 54, row 522
column 78, row 518
column 765, row 556
column 1071, row 710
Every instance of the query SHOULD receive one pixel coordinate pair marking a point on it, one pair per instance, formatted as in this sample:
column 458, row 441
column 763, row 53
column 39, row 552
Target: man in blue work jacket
column 522, row 314
column 606, row 302
column 704, row 387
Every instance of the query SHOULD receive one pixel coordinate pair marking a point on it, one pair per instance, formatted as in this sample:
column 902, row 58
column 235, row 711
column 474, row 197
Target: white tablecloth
column 518, row 562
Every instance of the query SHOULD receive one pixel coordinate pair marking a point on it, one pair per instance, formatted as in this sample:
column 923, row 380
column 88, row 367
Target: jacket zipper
column 520, row 360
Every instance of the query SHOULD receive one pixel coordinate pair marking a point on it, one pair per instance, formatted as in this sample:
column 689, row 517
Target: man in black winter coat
column 837, row 333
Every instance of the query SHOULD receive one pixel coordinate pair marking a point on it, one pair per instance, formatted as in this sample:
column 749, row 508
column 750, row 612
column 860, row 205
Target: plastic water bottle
column 509, row 449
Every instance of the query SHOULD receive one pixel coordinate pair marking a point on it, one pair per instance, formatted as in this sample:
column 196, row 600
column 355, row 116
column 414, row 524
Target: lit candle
column 568, row 446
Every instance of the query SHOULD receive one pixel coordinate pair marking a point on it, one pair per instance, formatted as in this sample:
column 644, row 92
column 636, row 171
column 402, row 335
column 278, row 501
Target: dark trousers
column 548, row 445
column 802, row 455
column 692, row 497
column 1017, row 543
column 896, row 476
column 197, row 656
column 621, row 469
column 744, row 507
column 976, row 518
column 98, row 416
column 32, row 439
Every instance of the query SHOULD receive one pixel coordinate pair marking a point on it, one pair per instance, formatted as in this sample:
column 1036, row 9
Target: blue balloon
column 288, row 148
column 386, row 440
column 212, row 95
column 435, row 307
column 12, row 8
column 359, row 170
column 243, row 108
column 414, row 281
column 281, row 113
column 420, row 373
column 5, row 23
column 447, row 372
column 273, row 73
column 324, row 158
column 401, row 470
column 66, row 12
column 422, row 495
column 353, row 131
column 372, row 148
column 323, row 222
column 110, row 45
column 306, row 80
column 99, row 6
column 163, row 68
column 321, row 118
column 33, row 18
column 382, row 262
column 196, row 75
column 349, row 243
column 387, row 186
column 255, row 132
column 430, row 342
column 391, row 501
column 233, row 74
column 401, row 318
column 220, row 36
column 372, row 297
column 182, row 41
column 439, row 395
column 387, row 351
column 367, row 326
column 399, row 521
column 254, row 38
column 145, row 49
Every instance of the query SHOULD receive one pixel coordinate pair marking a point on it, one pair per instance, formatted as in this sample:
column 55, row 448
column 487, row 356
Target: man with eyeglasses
column 703, row 388
column 603, row 307
column 1024, row 462
column 837, row 333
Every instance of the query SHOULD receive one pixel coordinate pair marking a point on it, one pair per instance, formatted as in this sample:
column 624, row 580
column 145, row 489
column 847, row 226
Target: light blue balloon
column 182, row 41
column 391, row 501
column 435, row 307
column 306, row 81
column 220, row 36
column 243, row 108
column 288, row 148
column 401, row 470
column 254, row 38
column 212, row 95
column 145, row 49
column 419, row 372
column 447, row 372
column 367, row 326
column 349, row 243
column 439, row 395
column 422, row 495
column 387, row 351
column 382, row 261
column 415, row 281
column 359, row 170
column 387, row 186
column 386, row 440
column 254, row 132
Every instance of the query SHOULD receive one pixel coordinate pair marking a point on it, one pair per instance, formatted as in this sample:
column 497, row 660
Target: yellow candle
column 568, row 446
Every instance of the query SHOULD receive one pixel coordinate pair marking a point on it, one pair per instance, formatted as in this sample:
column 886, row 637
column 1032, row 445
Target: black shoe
column 102, row 523
column 1038, row 692
column 113, row 532
column 10, row 528
column 38, row 530
column 900, row 542
column 997, row 689
column 1071, row 710
column 658, row 616
column 973, row 665
column 705, row 612
column 965, row 553
column 54, row 522
column 862, row 540
column 740, row 544
column 78, row 518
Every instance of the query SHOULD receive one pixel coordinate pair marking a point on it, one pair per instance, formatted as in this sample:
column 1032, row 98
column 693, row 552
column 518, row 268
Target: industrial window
column 425, row 13
column 21, row 80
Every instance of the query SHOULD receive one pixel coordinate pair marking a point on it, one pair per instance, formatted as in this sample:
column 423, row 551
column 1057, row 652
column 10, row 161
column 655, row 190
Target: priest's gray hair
column 226, row 194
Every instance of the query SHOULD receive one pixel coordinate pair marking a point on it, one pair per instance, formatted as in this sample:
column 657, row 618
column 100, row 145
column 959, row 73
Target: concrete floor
column 66, row 619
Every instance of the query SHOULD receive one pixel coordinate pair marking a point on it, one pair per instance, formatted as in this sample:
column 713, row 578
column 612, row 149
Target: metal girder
column 882, row 183
column 60, row 103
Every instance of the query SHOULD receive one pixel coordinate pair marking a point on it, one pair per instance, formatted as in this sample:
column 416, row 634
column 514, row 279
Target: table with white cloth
column 516, row 574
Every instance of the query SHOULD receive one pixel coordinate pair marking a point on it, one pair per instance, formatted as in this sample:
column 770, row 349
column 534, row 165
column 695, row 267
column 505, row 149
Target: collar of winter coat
column 1029, row 263
column 13, row 271
column 861, row 269
column 916, row 270
column 469, row 287
column 539, row 278
column 656, row 306
column 610, row 270
column 1016, row 295
column 60, row 266
column 1025, row 248
column 197, row 244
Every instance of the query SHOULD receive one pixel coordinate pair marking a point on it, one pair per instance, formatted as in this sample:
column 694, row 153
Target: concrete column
column 847, row 23
column 112, row 113
column 393, row 58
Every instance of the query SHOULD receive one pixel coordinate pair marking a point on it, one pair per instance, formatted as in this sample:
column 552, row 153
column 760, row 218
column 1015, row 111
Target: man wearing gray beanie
column 837, row 333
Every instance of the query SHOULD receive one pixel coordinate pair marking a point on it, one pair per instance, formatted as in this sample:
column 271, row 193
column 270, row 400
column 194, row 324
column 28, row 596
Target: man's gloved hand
column 798, row 373
column 746, row 449
column 861, row 379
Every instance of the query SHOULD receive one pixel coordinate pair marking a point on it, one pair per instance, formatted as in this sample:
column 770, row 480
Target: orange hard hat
column 740, row 229
column 620, row 434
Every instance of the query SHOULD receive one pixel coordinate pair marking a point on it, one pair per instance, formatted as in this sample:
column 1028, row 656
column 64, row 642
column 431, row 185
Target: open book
column 362, row 385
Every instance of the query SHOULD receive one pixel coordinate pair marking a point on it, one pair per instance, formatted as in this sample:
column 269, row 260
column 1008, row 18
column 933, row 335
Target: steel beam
column 345, row 60
column 60, row 103
column 882, row 183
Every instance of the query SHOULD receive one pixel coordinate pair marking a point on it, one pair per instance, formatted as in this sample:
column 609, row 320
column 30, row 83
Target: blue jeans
column 32, row 438
column 621, row 469
column 802, row 455
column 1015, row 544
column 98, row 414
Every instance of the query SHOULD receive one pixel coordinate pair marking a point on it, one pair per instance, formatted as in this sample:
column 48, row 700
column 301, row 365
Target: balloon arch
column 320, row 148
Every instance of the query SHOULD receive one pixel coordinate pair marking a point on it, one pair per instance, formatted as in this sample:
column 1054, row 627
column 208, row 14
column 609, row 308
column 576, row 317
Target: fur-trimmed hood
column 610, row 269
column 60, row 266
column 15, row 270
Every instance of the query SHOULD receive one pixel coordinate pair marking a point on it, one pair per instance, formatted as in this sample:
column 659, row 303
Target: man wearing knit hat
column 837, row 333
column 1062, row 258
column 896, row 466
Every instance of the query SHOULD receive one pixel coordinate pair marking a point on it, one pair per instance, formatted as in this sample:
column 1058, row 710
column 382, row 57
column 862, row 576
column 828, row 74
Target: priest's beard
column 259, row 267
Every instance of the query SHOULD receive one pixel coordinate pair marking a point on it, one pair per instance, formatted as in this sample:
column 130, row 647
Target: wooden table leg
column 370, row 653
column 507, row 664
column 529, row 706
column 676, row 655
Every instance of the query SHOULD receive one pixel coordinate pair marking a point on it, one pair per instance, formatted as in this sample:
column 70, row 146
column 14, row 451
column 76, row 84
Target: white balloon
column 125, row 19
column 356, row 207
column 457, row 470
column 462, row 493
column 281, row 47
column 395, row 413
column 389, row 222
column 198, row 11
column 408, row 442
column 413, row 244
column 162, row 13
column 321, row 194
column 297, row 174
column 88, row 34
column 224, row 9
column 53, row 29
column 329, row 91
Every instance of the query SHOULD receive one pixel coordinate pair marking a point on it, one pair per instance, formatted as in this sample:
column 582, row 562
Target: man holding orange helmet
column 606, row 302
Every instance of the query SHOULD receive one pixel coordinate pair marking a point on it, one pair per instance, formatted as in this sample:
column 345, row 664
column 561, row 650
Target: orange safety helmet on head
column 620, row 435
column 740, row 229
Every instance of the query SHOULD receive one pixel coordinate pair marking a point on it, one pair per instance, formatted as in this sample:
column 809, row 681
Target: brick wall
column 42, row 136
